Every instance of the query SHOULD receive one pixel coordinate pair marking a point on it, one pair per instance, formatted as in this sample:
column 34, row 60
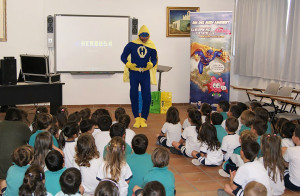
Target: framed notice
column 3, row 36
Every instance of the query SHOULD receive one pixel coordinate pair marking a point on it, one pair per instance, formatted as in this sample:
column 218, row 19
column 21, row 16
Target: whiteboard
column 90, row 43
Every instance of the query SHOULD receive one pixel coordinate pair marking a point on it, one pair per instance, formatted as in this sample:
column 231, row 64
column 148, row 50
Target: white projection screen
column 90, row 43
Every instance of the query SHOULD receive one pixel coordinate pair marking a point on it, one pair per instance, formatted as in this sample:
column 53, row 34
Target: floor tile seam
column 214, row 179
column 201, row 172
column 188, row 182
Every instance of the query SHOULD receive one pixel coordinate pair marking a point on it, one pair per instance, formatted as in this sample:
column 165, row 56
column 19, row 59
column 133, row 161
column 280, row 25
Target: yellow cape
column 149, row 44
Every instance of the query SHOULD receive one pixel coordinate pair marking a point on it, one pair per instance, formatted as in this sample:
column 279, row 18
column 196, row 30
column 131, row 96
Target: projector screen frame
column 89, row 72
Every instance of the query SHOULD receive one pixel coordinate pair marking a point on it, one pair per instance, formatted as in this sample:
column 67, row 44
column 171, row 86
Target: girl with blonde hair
column 115, row 166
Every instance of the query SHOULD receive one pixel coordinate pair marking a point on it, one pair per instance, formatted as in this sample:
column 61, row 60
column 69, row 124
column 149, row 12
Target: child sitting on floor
column 210, row 153
column 230, row 141
column 171, row 130
column 189, row 141
column 70, row 183
column 291, row 156
column 251, row 170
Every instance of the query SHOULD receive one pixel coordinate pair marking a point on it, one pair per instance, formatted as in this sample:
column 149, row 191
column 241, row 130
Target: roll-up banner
column 210, row 57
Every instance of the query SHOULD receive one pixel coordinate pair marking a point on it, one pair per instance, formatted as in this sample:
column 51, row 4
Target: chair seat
column 270, row 109
column 288, row 116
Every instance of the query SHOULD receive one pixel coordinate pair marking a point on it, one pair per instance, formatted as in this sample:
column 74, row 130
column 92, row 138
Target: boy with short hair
column 251, row 170
column 247, row 118
column 118, row 112
column 70, row 182
column 253, row 105
column 263, row 114
column 231, row 141
column 235, row 111
column 87, row 125
column 140, row 162
column 160, row 172
column 55, row 164
column 129, row 133
column 291, row 156
column 259, row 127
column 102, row 138
column 217, row 119
column 44, row 122
column 223, row 107
column 254, row 188
column 235, row 161
column 118, row 129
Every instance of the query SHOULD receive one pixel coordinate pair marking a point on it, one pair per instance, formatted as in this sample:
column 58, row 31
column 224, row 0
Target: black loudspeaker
column 8, row 71
column 135, row 23
column 50, row 24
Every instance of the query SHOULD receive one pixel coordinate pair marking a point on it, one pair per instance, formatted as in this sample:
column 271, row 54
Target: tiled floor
column 190, row 180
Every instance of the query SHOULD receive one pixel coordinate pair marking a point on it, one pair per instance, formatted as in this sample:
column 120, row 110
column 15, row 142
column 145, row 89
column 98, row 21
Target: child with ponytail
column 189, row 136
column 205, row 110
column 67, row 142
column 62, row 117
column 273, row 161
column 34, row 182
column 115, row 166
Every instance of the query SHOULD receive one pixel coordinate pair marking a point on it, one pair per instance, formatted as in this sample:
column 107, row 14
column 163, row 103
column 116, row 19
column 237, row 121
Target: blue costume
column 205, row 60
column 139, row 57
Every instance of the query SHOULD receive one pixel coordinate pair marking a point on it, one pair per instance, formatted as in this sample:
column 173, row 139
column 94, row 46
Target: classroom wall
column 26, row 33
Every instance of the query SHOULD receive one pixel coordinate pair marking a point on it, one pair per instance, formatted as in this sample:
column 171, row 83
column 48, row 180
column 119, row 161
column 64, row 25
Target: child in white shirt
column 171, row 130
column 273, row 161
column 129, row 133
column 286, row 132
column 186, row 123
column 67, row 142
column 230, row 141
column 102, row 138
column 210, row 153
column 205, row 110
column 291, row 156
column 115, row 166
column 88, row 161
column 252, row 170
column 189, row 141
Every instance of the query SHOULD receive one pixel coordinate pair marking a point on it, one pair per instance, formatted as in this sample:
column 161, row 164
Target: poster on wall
column 210, row 57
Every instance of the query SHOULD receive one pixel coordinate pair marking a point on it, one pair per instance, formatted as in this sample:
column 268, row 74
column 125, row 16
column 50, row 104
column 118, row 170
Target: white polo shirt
column 292, row 157
column 173, row 132
column 191, row 142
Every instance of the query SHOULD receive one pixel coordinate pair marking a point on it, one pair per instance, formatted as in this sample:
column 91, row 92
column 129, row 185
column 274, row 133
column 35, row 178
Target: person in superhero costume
column 205, row 54
column 140, row 59
column 206, row 59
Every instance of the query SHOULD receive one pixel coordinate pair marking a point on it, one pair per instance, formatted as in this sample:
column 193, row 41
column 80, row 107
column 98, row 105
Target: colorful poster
column 210, row 57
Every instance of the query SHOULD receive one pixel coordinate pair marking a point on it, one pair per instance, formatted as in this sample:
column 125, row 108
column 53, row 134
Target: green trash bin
column 155, row 102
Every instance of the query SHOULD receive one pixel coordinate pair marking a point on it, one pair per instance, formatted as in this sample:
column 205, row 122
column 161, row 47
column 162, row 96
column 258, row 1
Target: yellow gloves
column 130, row 65
column 149, row 65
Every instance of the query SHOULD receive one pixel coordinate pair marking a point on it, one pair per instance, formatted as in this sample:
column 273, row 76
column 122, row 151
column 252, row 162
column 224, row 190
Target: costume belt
column 139, row 69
